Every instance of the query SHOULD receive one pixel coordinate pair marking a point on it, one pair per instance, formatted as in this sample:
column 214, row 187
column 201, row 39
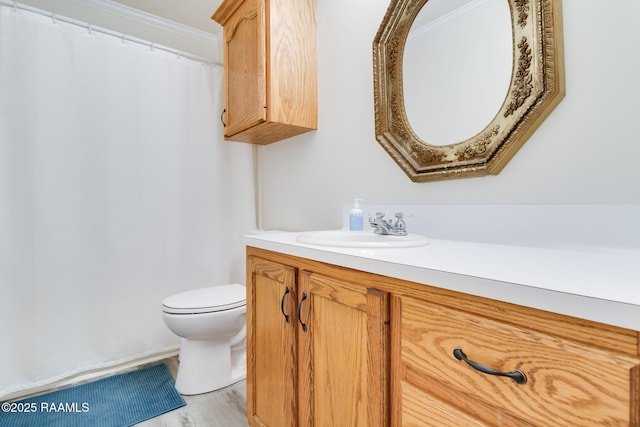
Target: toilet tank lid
column 214, row 298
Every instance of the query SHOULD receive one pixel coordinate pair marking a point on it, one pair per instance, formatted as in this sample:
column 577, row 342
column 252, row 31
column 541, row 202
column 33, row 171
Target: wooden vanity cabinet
column 270, row 69
column 317, row 348
column 574, row 372
column 379, row 351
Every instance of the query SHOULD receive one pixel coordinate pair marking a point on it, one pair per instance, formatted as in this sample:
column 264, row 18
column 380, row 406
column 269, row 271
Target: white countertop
column 591, row 283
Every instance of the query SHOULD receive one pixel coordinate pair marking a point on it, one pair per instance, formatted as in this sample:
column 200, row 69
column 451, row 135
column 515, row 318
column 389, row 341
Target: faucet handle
column 378, row 217
column 400, row 225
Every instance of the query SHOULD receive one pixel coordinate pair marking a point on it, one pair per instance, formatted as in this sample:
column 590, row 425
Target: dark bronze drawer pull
column 517, row 376
column 304, row 297
column 286, row 316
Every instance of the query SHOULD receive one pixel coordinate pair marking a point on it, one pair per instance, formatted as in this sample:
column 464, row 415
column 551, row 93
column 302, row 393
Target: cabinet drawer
column 568, row 383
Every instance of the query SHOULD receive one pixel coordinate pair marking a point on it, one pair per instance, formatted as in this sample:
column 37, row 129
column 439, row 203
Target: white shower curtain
column 116, row 190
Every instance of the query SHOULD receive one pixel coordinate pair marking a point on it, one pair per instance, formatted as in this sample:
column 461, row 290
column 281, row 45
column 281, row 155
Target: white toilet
column 211, row 322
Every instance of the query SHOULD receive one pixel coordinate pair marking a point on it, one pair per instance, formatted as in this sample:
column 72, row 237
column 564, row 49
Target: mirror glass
column 453, row 84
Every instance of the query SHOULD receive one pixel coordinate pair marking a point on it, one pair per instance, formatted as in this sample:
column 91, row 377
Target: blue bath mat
column 120, row 400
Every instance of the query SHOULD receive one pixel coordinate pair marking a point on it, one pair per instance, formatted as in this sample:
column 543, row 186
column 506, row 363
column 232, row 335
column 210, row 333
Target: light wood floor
column 221, row 408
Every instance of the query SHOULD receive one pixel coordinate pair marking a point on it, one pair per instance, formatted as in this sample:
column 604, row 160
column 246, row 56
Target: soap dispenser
column 356, row 219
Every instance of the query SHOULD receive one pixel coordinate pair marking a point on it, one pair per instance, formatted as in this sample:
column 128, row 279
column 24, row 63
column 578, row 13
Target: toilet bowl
column 211, row 323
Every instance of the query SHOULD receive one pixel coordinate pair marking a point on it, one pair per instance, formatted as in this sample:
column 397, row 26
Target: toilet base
column 208, row 365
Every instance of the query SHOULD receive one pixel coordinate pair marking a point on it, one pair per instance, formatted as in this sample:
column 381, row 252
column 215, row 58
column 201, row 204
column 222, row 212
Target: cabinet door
column 271, row 344
column 343, row 336
column 245, row 63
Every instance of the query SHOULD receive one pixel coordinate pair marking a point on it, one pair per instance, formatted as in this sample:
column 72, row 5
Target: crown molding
column 150, row 19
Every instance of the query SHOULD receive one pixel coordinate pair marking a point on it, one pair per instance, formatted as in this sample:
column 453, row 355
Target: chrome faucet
column 386, row 226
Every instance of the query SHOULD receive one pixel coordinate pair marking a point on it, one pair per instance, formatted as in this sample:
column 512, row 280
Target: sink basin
column 360, row 239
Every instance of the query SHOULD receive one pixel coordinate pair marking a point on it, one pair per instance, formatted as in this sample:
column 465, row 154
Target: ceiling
column 193, row 13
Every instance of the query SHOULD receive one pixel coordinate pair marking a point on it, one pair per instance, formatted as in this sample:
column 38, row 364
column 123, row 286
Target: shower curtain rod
column 90, row 27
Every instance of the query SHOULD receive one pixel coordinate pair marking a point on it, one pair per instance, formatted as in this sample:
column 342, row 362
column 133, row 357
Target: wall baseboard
column 93, row 374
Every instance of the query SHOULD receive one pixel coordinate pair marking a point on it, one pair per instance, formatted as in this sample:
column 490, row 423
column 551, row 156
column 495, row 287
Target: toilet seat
column 207, row 300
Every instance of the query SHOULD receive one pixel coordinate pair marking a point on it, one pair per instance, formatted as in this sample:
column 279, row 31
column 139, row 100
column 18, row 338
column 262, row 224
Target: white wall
column 586, row 152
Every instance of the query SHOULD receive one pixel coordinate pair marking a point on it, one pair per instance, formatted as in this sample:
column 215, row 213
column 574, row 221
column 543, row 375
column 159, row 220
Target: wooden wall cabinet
column 270, row 69
column 378, row 351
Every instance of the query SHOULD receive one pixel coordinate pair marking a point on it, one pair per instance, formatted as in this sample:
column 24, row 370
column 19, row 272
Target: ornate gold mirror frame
column 537, row 86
